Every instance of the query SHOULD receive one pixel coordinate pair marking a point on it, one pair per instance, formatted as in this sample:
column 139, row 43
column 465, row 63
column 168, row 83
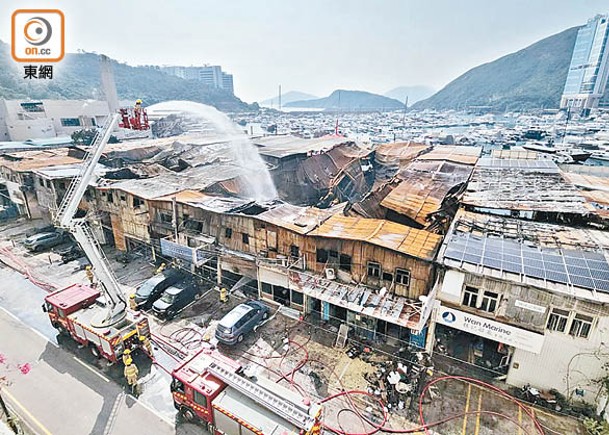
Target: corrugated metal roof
column 516, row 188
column 360, row 299
column 30, row 160
column 587, row 181
column 301, row 220
column 283, row 146
column 396, row 237
column 399, row 150
column 514, row 154
column 458, row 154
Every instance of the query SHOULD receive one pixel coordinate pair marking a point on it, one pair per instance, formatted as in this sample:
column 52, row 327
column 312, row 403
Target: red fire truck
column 212, row 388
column 108, row 329
column 76, row 310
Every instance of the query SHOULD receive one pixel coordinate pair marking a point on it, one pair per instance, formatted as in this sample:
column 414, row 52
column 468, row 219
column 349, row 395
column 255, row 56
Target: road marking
column 478, row 414
column 91, row 369
column 26, row 412
column 35, row 331
column 114, row 413
column 469, row 393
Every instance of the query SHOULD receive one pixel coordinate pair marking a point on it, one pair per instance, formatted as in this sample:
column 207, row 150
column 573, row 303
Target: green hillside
column 350, row 101
column 531, row 78
column 78, row 77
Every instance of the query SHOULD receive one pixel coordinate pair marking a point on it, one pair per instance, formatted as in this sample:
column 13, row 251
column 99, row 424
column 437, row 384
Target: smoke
column 258, row 182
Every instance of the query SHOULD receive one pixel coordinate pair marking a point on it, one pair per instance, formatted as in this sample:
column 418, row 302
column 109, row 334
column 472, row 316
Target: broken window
column 122, row 197
column 387, row 276
column 137, row 202
column 228, row 233
column 581, row 325
column 322, row 256
column 558, row 320
column 470, row 297
column 490, row 301
column 402, row 276
column 267, row 288
column 41, row 182
column 110, row 198
column 294, row 251
column 245, row 237
column 333, row 255
column 374, row 269
column 165, row 218
column 345, row 262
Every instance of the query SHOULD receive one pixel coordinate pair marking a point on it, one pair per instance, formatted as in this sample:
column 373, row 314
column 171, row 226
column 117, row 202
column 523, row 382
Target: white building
column 33, row 119
column 210, row 75
column 589, row 69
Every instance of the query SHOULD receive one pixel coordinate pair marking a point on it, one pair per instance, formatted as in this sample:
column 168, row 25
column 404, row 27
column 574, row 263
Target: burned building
column 320, row 171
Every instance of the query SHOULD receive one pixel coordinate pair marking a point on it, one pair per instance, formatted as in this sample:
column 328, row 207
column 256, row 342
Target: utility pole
column 174, row 207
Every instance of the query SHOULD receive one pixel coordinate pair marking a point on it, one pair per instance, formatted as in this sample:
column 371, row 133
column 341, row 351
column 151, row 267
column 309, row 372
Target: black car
column 153, row 288
column 69, row 253
column 174, row 299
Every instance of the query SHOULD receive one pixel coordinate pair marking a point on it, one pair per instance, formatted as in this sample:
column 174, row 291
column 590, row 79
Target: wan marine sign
column 500, row 332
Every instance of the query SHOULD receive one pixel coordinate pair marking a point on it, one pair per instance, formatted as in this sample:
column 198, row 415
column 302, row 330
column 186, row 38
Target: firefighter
column 126, row 356
column 160, row 269
column 132, row 303
column 145, row 343
column 223, row 295
column 131, row 373
column 89, row 273
column 137, row 109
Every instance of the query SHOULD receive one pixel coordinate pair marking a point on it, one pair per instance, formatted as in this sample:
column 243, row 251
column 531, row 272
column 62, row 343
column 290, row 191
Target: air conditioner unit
column 330, row 274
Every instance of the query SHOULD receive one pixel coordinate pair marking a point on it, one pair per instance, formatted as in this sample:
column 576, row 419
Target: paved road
column 65, row 391
column 62, row 395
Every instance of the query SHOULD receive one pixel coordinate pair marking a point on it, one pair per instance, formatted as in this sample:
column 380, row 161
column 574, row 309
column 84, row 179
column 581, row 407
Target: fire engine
column 104, row 326
column 213, row 389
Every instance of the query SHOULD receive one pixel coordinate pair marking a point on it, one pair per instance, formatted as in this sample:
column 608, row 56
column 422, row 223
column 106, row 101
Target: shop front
column 486, row 343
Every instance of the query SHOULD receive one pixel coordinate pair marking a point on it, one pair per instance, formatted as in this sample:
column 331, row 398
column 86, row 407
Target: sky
column 315, row 46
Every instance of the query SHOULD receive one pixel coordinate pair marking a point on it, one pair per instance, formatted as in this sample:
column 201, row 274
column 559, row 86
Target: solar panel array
column 584, row 269
column 544, row 165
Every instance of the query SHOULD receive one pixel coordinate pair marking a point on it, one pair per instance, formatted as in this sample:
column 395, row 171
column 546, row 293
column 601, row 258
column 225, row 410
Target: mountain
column 288, row 97
column 414, row 93
column 533, row 77
column 77, row 76
column 350, row 101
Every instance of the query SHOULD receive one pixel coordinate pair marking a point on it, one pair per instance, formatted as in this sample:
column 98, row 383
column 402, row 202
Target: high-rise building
column 589, row 69
column 210, row 75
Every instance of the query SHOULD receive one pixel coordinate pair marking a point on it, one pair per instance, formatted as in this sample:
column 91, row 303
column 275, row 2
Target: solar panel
column 572, row 270
column 534, row 263
column 473, row 259
column 550, row 257
column 600, row 265
column 511, row 267
column 534, row 272
column 556, row 276
column 454, row 254
column 576, row 262
column 600, row 274
column 492, row 254
column 582, row 281
column 594, row 256
column 602, row 286
column 512, row 258
column 492, row 262
column 555, row 267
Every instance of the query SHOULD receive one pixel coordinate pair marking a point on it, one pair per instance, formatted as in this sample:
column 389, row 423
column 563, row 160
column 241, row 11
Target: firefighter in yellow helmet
column 145, row 343
column 137, row 109
column 131, row 372
column 126, row 356
column 160, row 269
column 223, row 295
column 132, row 303
column 89, row 273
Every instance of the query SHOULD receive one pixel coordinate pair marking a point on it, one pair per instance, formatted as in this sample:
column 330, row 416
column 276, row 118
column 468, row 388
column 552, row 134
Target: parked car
column 241, row 320
column 151, row 290
column 174, row 299
column 42, row 241
column 69, row 253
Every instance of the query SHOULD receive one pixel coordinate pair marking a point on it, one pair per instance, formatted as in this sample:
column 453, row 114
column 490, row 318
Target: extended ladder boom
column 284, row 408
column 83, row 234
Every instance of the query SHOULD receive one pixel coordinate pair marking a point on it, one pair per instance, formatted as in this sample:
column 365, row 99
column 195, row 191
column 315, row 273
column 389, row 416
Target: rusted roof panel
column 458, row 154
column 524, row 188
column 587, row 181
column 396, row 237
column 31, row 160
column 301, row 220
